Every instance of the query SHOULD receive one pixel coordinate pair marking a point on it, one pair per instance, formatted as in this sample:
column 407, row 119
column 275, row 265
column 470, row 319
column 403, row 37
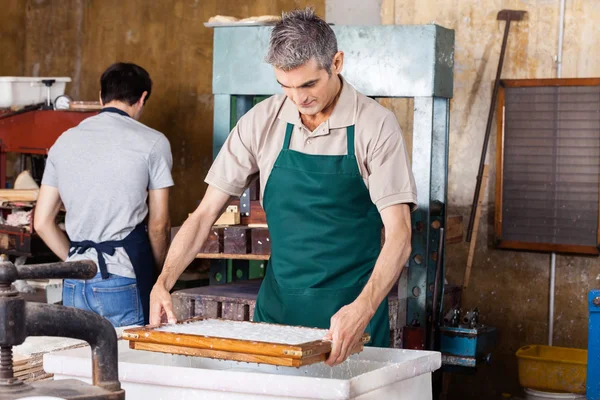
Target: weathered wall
column 510, row 288
column 353, row 12
column 80, row 38
column 12, row 37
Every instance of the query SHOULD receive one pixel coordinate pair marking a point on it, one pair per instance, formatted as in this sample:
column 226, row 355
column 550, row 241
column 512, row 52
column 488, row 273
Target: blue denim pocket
column 118, row 303
column 68, row 294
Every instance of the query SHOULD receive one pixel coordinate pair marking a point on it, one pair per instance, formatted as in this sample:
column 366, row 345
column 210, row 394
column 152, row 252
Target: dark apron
column 137, row 246
column 325, row 239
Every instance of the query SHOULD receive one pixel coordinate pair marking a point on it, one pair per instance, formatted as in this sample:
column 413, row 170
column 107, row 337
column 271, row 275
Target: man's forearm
column 185, row 247
column 388, row 268
column 159, row 242
column 55, row 239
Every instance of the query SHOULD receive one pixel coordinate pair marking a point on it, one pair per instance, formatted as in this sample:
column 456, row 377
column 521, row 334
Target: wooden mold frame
column 287, row 355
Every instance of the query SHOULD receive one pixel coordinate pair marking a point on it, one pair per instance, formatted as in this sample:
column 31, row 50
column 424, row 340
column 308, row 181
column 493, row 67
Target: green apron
column 325, row 238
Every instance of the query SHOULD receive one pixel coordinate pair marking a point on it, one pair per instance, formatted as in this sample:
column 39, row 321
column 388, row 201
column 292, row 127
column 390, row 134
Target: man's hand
column 161, row 307
column 347, row 328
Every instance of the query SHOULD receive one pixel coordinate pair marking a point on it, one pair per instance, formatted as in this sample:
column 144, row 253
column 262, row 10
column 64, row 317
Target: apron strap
column 101, row 249
column 288, row 135
column 350, row 139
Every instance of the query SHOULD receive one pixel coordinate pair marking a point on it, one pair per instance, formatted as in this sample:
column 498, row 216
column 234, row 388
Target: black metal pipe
column 54, row 320
column 439, row 279
column 62, row 270
column 488, row 129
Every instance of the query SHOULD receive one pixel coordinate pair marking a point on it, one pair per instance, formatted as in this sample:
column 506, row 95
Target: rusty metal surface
column 53, row 320
column 61, row 270
column 19, row 319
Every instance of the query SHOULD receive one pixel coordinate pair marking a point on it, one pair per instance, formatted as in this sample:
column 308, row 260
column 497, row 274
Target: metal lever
column 64, row 270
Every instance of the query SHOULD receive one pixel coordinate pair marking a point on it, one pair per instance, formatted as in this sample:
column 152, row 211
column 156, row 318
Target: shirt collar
column 115, row 110
column 343, row 114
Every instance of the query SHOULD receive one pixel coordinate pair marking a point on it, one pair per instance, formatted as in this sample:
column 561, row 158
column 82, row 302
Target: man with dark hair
column 113, row 175
column 334, row 171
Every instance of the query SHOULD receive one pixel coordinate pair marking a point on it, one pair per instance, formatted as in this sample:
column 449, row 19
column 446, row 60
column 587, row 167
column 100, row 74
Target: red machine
column 30, row 132
column 33, row 131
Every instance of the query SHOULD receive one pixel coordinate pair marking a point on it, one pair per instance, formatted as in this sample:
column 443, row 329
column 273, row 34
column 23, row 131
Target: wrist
column 366, row 306
column 164, row 282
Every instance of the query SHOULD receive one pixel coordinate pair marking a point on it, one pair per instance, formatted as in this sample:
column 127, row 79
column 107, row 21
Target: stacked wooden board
column 289, row 346
column 28, row 357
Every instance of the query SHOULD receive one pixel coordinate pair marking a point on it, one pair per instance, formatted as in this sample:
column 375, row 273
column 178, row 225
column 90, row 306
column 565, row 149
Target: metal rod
column 551, row 305
column 53, row 320
column 63, row 270
column 487, row 132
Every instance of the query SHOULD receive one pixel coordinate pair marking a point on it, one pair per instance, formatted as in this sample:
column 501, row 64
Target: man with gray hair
column 333, row 172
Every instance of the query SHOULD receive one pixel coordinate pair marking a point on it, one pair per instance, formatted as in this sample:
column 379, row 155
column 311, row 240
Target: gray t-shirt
column 103, row 169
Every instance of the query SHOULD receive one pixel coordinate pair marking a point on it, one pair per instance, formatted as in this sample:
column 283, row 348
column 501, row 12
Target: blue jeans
column 115, row 298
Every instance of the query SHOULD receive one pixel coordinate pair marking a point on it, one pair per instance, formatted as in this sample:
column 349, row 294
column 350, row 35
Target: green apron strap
column 350, row 139
column 288, row 136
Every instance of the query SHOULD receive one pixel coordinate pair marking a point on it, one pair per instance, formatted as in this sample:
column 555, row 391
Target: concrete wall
column 510, row 288
column 353, row 12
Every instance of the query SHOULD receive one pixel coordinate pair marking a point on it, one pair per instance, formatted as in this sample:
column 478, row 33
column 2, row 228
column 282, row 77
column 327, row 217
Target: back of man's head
column 125, row 82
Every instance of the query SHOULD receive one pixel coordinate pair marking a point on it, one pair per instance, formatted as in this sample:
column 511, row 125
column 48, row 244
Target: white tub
column 373, row 374
column 18, row 91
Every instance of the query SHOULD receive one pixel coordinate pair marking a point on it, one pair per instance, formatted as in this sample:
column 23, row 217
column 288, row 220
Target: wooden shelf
column 220, row 256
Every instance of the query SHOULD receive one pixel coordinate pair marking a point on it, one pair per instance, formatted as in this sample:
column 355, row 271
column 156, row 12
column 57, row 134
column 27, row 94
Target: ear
column 100, row 97
column 142, row 99
column 338, row 62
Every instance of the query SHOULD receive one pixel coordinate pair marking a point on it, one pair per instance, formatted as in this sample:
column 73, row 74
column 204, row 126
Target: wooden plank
column 551, row 82
column 388, row 12
column 224, row 355
column 19, row 194
column 473, row 243
column 547, row 247
column 23, row 373
column 12, row 40
column 233, row 356
column 454, row 229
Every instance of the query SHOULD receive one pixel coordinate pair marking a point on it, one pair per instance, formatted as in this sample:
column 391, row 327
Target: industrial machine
column 464, row 341
column 381, row 61
column 20, row 319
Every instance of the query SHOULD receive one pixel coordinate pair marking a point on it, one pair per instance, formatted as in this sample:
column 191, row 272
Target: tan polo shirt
column 255, row 142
